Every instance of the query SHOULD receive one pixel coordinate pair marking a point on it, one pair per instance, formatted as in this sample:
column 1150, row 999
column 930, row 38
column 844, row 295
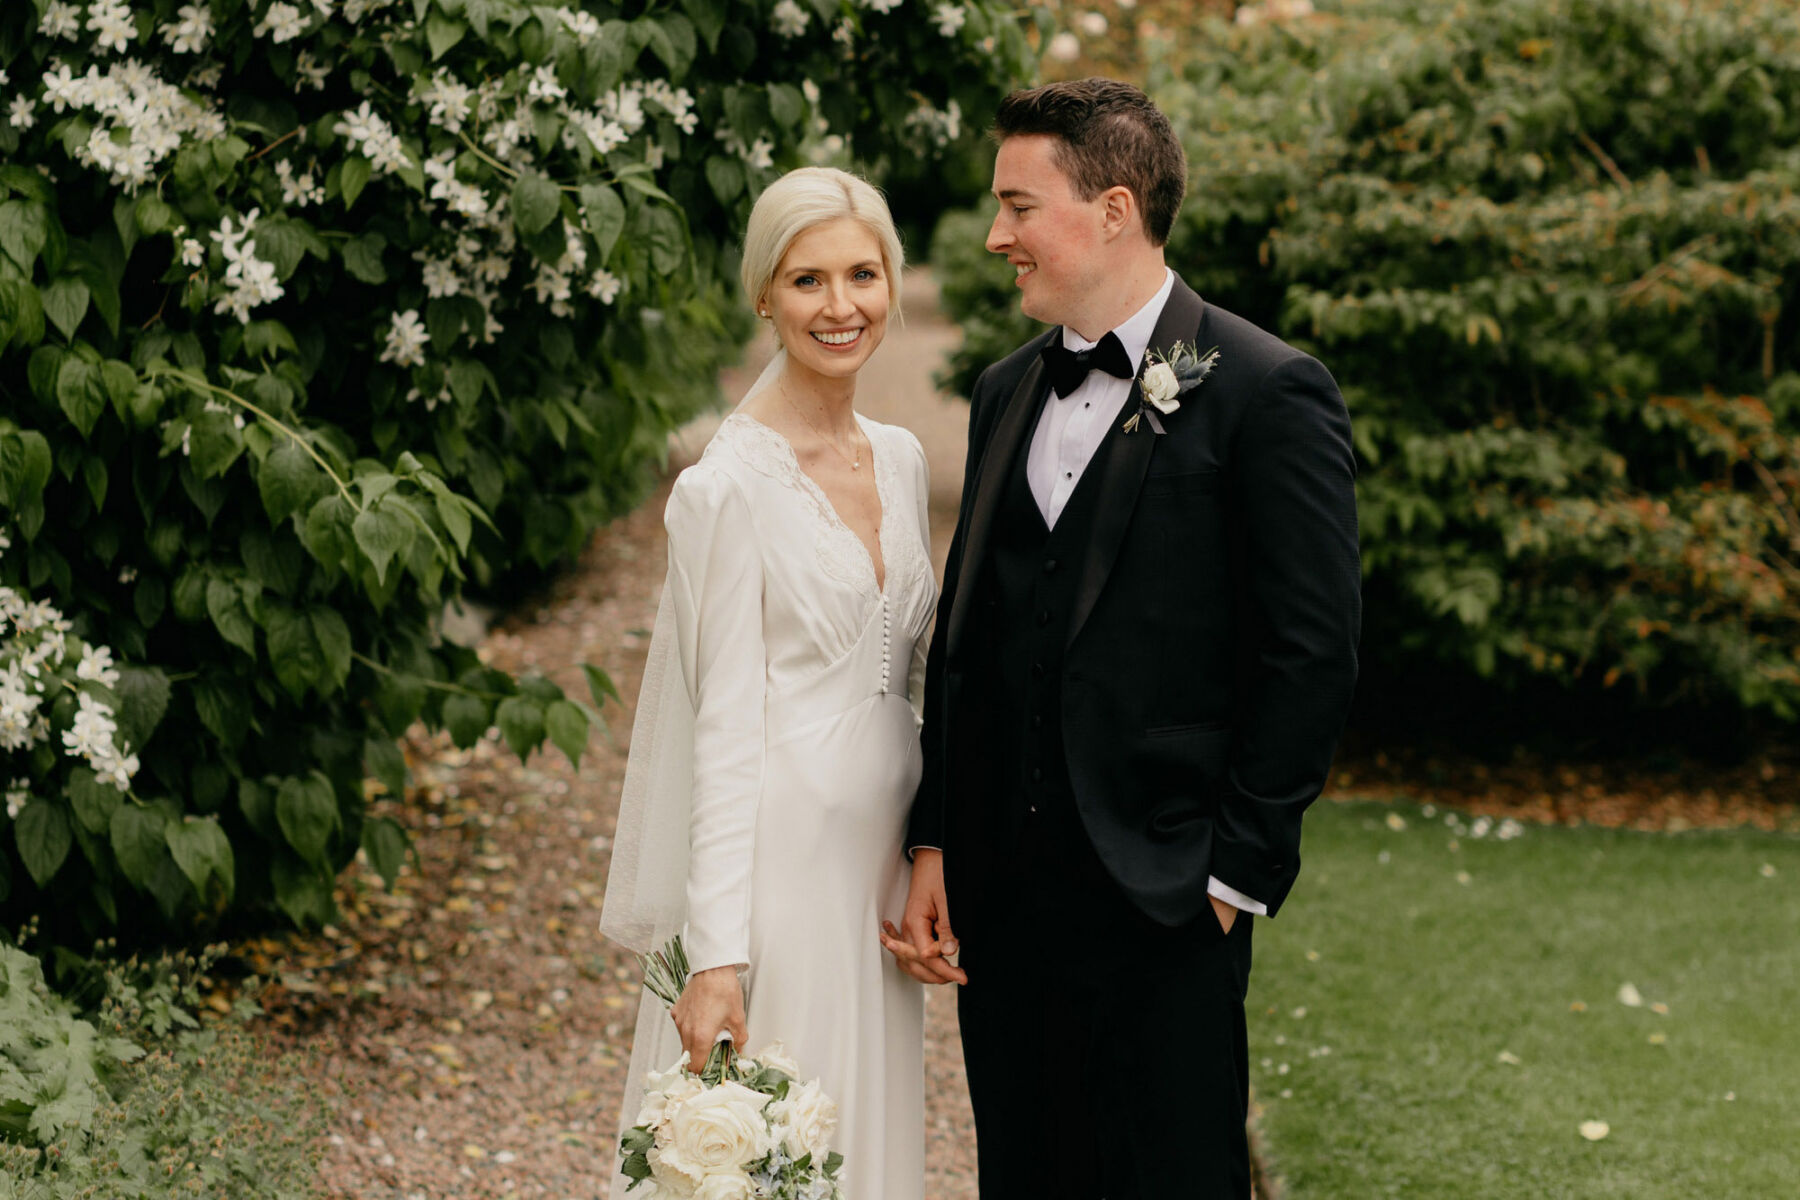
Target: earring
column 762, row 312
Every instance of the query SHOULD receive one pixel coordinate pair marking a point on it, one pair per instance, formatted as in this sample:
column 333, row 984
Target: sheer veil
column 646, row 886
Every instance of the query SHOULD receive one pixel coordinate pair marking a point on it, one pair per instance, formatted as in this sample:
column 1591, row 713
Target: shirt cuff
column 1235, row 898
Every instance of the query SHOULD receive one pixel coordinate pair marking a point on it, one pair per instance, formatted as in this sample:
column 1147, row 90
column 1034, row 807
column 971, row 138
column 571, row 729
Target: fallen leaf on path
column 1629, row 996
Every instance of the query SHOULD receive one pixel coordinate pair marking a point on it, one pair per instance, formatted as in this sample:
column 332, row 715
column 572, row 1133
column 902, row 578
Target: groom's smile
column 1053, row 239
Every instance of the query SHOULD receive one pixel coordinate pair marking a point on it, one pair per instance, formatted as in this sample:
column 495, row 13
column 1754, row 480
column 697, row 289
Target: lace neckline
column 782, row 463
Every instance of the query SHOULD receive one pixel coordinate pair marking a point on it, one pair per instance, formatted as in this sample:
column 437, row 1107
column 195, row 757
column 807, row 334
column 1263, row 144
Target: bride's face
column 829, row 298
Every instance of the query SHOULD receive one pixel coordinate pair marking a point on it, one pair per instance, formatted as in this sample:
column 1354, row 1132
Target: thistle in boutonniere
column 1167, row 378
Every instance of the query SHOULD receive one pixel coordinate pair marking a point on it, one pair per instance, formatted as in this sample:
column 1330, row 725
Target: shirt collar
column 1134, row 332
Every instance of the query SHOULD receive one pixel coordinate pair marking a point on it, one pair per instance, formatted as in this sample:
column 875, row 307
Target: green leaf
column 43, row 837
column 214, row 443
column 672, row 40
column 275, row 561
column 81, row 392
column 467, row 718
column 385, row 843
column 121, row 385
column 787, row 105
column 667, row 238
column 293, row 649
column 258, row 807
column 93, row 799
column 353, row 178
column 137, row 841
column 289, row 481
column 568, row 728
column 362, row 258
column 535, row 201
column 381, row 534
column 307, row 811
column 224, row 709
column 600, row 685
column 21, row 314
column 332, row 636
column 24, row 228
column 203, row 852
column 302, row 892
column 225, row 604
column 326, row 533
column 24, row 467
column 382, row 760
column 442, row 33
column 604, row 215
column 521, row 723
column 726, row 176
column 453, row 511
column 143, row 696
column 709, row 20
column 154, row 215
column 94, row 474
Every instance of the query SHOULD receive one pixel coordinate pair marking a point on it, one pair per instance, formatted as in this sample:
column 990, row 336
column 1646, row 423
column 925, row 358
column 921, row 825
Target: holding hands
column 927, row 945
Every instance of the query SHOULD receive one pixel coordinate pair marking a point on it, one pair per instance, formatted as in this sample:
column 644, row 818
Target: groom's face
column 1053, row 238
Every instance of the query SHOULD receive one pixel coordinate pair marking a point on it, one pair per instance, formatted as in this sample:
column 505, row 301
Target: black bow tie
column 1068, row 368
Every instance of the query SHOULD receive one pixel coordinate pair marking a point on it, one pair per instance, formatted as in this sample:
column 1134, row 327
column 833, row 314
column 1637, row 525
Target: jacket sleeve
column 715, row 571
column 926, row 827
column 1296, row 474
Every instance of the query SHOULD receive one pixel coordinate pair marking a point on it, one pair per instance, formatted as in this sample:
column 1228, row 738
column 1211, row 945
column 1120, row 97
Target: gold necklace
column 855, row 463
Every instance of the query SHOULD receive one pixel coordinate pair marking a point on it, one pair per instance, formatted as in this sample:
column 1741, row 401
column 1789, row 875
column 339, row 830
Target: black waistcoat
column 1032, row 575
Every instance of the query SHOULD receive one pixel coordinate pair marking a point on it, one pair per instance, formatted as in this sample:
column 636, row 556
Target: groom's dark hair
column 1108, row 134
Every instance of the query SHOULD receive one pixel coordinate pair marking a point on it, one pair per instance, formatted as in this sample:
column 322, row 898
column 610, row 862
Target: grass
column 1389, row 989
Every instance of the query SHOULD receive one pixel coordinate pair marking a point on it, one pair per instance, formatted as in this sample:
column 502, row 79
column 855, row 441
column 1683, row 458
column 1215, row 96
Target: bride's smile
column 829, row 299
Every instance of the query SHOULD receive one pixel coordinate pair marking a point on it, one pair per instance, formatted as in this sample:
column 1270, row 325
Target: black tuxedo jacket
column 1211, row 651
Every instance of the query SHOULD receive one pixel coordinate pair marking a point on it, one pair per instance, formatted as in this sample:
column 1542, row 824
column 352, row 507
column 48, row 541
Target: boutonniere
column 1167, row 378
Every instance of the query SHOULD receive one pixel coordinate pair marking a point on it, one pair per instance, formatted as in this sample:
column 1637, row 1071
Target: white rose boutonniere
column 1166, row 378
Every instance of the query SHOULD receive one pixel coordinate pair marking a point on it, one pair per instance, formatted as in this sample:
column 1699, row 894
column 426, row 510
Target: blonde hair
column 806, row 198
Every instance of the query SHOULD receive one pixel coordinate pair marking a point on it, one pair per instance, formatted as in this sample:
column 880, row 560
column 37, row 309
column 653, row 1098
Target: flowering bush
column 311, row 312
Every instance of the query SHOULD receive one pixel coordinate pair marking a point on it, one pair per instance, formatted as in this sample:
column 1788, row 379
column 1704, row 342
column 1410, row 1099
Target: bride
column 775, row 753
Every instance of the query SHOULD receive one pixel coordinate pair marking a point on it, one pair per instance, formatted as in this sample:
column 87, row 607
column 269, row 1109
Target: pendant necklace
column 855, row 463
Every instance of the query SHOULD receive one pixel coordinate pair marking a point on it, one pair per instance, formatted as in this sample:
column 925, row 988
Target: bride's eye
column 806, row 281
column 865, row 275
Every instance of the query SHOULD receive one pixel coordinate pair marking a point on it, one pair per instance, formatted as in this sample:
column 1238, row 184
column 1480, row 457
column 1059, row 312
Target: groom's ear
column 1119, row 212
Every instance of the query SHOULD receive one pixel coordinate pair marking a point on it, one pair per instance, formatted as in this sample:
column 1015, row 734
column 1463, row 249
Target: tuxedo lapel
column 1124, row 458
column 1009, row 435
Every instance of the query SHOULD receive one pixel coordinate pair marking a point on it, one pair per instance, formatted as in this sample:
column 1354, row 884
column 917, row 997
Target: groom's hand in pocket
column 1226, row 913
column 711, row 1001
column 924, row 947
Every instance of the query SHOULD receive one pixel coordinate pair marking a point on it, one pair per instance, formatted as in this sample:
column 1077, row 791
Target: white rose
column 1161, row 386
column 775, row 1055
column 721, row 1127
column 661, row 1101
column 807, row 1119
column 726, row 1185
column 675, row 1175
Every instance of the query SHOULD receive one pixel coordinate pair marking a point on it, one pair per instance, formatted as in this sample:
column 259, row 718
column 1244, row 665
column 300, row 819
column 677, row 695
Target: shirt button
column 1037, row 775
column 1049, row 566
column 1068, row 474
column 1044, row 618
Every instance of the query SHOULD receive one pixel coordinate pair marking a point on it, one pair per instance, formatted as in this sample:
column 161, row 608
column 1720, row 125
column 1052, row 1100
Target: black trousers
column 1107, row 1054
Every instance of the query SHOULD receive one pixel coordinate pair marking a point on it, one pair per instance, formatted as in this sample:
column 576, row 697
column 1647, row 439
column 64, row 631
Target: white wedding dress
column 795, row 670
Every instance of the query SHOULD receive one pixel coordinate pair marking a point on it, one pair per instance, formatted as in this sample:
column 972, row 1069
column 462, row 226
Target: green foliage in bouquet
column 137, row 1099
column 311, row 313
column 1551, row 251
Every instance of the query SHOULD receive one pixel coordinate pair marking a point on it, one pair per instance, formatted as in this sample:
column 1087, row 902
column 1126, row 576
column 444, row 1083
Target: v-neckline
column 876, row 557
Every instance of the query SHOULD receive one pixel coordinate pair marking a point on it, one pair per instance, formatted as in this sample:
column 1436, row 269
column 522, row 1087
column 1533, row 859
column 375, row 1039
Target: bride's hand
column 711, row 1001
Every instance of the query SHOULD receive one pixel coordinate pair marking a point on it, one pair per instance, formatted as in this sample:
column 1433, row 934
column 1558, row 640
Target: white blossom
column 192, row 27
column 1093, row 24
column 21, row 113
column 585, row 26
column 356, row 10
column 298, row 190
column 674, row 101
column 375, row 138
column 543, row 85
column 406, row 340
column 110, row 23
column 446, row 99
column 249, row 281
column 625, row 105
column 440, row 276
column 462, row 198
column 206, row 76
column 97, row 665
column 605, row 136
column 281, row 23
column 605, row 286
column 949, row 18
column 193, row 254
column 881, row 6
column 61, row 20
column 789, row 19
column 312, row 72
column 16, row 796
column 155, row 117
column 941, row 126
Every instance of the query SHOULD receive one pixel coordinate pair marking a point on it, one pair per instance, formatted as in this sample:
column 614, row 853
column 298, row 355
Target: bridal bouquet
column 743, row 1128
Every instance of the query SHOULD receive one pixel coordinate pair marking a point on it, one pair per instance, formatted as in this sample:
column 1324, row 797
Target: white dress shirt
column 1069, row 433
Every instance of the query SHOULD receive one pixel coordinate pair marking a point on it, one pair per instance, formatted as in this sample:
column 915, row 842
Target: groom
column 1144, row 654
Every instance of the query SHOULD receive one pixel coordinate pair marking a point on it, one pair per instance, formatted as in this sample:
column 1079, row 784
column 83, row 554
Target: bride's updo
column 807, row 197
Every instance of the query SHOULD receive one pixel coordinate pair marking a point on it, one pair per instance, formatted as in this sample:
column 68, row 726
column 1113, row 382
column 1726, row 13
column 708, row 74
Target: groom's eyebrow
column 1012, row 194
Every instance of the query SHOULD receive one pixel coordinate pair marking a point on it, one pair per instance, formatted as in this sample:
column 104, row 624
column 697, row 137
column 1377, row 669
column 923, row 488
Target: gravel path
column 472, row 1028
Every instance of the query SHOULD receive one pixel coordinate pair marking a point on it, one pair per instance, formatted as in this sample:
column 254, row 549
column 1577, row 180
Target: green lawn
column 1390, row 988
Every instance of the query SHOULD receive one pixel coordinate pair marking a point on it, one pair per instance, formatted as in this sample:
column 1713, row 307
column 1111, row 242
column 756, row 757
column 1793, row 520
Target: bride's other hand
column 924, row 950
column 711, row 1001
